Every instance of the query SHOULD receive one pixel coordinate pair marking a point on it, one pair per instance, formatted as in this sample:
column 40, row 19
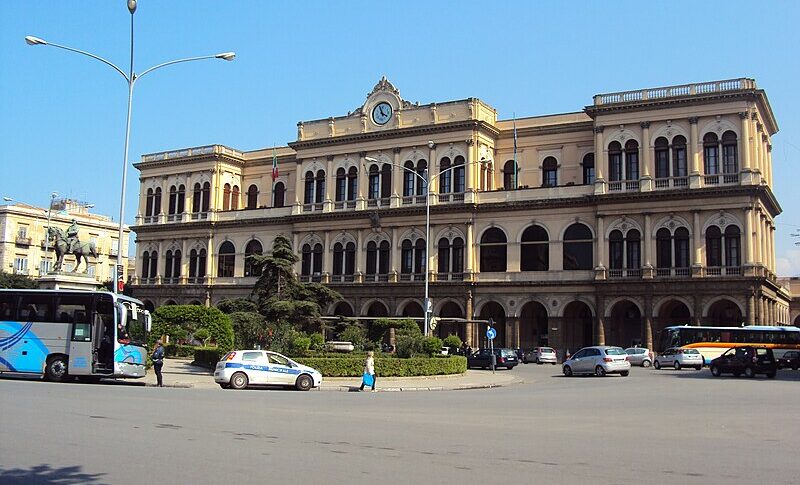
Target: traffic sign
column 491, row 333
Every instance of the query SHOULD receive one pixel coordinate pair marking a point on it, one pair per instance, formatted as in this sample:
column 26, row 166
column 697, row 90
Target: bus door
column 75, row 310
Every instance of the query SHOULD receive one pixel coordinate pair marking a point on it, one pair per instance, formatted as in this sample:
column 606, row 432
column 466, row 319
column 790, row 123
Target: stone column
column 363, row 180
column 469, row 173
column 327, row 255
column 397, row 180
column 512, row 332
column 697, row 242
column 296, row 249
column 762, row 311
column 211, row 260
column 769, row 162
column 648, row 321
column 600, row 325
column 600, row 269
column 694, row 156
column 330, row 180
column 744, row 149
column 648, row 169
column 763, row 236
column 748, row 236
column 600, row 157
column 298, row 188
column 359, row 277
column 698, row 311
column 647, row 242
column 184, row 262
column 470, row 253
column 766, row 159
column 772, row 248
column 470, row 330
column 751, row 310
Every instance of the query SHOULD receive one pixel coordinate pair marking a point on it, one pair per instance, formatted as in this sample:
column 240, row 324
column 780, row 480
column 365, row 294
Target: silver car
column 540, row 355
column 640, row 356
column 677, row 358
column 598, row 360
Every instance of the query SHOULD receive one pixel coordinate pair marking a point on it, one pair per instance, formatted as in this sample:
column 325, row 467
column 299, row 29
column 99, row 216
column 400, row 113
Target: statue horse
column 61, row 245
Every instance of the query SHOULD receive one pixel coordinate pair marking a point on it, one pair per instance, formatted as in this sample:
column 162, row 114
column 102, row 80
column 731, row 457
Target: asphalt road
column 651, row 427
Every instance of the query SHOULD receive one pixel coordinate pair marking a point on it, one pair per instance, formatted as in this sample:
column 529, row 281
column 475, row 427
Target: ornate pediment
column 384, row 85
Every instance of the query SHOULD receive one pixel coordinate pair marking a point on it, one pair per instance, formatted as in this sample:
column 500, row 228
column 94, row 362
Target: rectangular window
column 374, row 186
column 21, row 265
column 22, row 231
column 35, row 308
column 679, row 162
column 615, row 166
column 711, row 160
column 662, row 164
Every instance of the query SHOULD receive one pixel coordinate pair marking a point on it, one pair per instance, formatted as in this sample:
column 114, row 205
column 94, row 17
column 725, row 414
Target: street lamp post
column 130, row 79
column 47, row 233
column 426, row 179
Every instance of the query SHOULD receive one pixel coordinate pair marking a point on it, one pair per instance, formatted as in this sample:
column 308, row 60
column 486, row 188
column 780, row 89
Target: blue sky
column 309, row 60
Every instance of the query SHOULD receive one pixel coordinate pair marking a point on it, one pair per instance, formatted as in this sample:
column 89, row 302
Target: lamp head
column 373, row 160
column 431, row 144
column 7, row 199
column 228, row 56
column 31, row 40
column 132, row 6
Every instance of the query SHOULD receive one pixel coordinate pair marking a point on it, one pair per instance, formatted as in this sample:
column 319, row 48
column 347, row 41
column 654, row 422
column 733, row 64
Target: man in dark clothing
column 158, row 362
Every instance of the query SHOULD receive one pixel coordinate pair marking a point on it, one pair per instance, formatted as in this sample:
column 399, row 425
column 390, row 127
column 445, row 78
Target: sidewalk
column 181, row 373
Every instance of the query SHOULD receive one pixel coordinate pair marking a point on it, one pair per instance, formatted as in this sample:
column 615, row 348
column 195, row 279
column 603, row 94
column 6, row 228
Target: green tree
column 11, row 280
column 178, row 321
column 281, row 297
column 452, row 341
column 236, row 305
column 249, row 330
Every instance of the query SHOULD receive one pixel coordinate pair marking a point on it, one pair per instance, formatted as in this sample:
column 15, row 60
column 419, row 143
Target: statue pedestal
column 67, row 281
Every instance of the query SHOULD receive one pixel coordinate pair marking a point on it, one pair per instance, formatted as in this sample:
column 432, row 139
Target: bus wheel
column 56, row 369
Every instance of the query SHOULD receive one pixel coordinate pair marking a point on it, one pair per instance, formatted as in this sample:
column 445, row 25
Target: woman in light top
column 369, row 372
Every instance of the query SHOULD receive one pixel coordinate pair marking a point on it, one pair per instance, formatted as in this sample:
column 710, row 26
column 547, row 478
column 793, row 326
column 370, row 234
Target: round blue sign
column 491, row 333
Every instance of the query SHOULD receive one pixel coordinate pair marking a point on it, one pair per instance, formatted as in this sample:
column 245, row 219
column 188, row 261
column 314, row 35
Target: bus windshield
column 133, row 328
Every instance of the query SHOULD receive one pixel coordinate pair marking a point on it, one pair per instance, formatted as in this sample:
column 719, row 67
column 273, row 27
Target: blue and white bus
column 63, row 334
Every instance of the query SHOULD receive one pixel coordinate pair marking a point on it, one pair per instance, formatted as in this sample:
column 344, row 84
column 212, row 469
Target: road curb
column 465, row 387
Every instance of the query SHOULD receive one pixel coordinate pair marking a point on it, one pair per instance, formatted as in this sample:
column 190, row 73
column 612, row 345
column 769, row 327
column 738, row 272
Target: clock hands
column 380, row 108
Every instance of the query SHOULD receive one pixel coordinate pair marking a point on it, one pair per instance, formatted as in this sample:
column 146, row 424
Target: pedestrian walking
column 158, row 362
column 369, row 377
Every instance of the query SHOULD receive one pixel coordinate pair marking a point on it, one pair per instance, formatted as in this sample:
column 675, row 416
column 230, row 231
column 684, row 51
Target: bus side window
column 7, row 306
column 35, row 308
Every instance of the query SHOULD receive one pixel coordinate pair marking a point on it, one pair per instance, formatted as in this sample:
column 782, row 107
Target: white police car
column 241, row 368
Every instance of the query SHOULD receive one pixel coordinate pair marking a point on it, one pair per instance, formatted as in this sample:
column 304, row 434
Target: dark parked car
column 789, row 360
column 483, row 358
column 747, row 360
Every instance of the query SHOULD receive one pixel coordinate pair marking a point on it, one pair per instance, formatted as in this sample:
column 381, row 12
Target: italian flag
column 274, row 164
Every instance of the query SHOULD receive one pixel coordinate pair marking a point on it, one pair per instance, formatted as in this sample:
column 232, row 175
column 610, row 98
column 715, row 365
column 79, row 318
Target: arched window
column 458, row 256
column 732, row 246
column 350, row 259
column 681, row 247
column 493, row 251
column 316, row 265
column 408, row 179
column 406, row 257
column 383, row 258
column 308, row 196
column 711, row 154
column 153, row 264
column 338, row 259
column 374, row 182
column 197, row 197
column 372, row 258
column 713, row 246
column 730, row 163
column 226, row 197
column 206, row 197
column 616, row 249
column 252, row 197
column 319, row 192
column 510, row 176
column 235, row 196
column 578, row 254
column 588, row 169
column 631, row 160
column 679, row 161
column 157, row 202
column 662, row 157
column 168, row 264
column 535, row 254
column 172, row 269
column 420, row 258
column 663, row 248
column 146, row 264
column 197, row 263
column 352, row 183
column 181, row 199
column 226, row 260
column 386, row 180
column 253, row 248
column 341, row 185
column 278, row 195
column 305, row 265
column 444, row 255
column 459, row 175
column 422, row 185
column 633, row 249
column 445, row 175
column 378, row 258
column 148, row 208
column 614, row 161
column 549, row 172
column 173, row 200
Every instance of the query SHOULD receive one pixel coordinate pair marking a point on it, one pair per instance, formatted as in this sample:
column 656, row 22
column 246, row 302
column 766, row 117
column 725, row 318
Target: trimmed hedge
column 175, row 350
column 387, row 367
column 208, row 356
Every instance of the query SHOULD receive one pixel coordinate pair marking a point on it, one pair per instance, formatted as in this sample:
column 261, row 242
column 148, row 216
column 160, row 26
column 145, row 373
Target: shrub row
column 176, row 350
column 387, row 367
column 207, row 356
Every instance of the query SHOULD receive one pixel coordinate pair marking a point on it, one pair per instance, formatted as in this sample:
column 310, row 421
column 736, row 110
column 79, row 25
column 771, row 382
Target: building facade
column 24, row 249
column 647, row 208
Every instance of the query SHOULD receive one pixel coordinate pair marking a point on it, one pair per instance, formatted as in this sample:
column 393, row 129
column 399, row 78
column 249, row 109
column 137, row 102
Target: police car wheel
column 304, row 383
column 239, row 380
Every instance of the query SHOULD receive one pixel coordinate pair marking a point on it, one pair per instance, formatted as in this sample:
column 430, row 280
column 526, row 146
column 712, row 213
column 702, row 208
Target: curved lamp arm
column 227, row 56
column 31, row 40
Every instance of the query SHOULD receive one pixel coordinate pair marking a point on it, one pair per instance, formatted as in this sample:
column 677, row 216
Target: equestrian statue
column 68, row 243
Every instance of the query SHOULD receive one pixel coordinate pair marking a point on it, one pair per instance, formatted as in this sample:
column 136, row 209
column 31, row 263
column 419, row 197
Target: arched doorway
column 414, row 310
column 797, row 321
column 493, row 311
column 451, row 310
column 624, row 328
column 577, row 326
column 343, row 309
column 533, row 326
column 724, row 313
column 148, row 305
column 671, row 313
column 376, row 310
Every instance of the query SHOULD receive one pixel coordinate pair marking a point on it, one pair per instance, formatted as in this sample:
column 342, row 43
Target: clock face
column 382, row 113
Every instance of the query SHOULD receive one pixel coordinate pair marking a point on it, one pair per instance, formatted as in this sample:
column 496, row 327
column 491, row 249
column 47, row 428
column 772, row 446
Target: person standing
column 369, row 370
column 158, row 362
